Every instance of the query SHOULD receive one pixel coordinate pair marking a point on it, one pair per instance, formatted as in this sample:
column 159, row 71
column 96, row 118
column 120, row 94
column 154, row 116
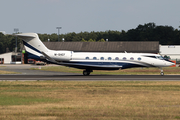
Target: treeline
column 8, row 43
column 166, row 35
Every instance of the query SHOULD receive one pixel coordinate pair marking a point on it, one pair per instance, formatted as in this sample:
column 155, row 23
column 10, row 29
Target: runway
column 27, row 74
column 92, row 77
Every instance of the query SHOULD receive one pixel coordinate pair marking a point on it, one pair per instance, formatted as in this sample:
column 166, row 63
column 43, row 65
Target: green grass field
column 92, row 100
column 132, row 71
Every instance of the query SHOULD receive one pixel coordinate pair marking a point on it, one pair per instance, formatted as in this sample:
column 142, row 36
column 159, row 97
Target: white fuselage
column 139, row 59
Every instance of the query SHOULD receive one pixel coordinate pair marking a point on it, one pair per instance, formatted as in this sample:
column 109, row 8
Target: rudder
column 33, row 45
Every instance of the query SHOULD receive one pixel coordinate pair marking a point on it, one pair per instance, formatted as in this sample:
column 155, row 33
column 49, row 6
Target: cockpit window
column 159, row 57
column 151, row 56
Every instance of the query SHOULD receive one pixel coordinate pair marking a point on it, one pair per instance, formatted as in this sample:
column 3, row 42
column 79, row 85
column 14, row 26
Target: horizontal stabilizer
column 22, row 35
column 26, row 35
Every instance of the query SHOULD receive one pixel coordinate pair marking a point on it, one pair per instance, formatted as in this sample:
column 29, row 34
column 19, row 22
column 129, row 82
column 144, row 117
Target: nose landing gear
column 162, row 73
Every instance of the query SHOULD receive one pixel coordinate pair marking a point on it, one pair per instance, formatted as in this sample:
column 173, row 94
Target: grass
column 132, row 71
column 7, row 72
column 97, row 100
column 2, row 66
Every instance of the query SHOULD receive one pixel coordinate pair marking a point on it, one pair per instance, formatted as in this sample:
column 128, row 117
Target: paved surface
column 27, row 74
column 25, row 70
column 92, row 77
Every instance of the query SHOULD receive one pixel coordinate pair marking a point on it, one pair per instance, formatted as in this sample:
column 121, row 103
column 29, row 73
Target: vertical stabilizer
column 32, row 39
column 33, row 44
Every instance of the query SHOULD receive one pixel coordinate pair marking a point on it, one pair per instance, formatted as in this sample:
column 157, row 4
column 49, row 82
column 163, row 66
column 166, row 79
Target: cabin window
column 109, row 58
column 87, row 58
column 139, row 58
column 117, row 58
column 102, row 58
column 55, row 54
column 131, row 58
column 94, row 58
column 124, row 58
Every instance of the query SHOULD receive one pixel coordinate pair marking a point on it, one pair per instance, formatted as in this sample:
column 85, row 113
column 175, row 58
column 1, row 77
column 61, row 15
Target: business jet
column 89, row 61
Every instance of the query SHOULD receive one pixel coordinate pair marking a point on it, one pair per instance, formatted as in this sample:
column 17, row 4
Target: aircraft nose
column 169, row 63
column 172, row 63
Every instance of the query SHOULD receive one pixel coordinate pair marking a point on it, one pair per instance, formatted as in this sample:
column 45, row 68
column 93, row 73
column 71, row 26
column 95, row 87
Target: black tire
column 162, row 73
column 85, row 73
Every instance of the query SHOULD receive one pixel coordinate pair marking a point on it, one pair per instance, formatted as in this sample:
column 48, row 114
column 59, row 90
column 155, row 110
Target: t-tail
column 33, row 45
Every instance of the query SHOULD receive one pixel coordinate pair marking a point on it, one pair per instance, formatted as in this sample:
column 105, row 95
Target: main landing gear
column 162, row 73
column 87, row 72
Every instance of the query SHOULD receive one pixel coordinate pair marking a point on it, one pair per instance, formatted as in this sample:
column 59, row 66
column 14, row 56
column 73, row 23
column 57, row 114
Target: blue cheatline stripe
column 32, row 56
column 122, row 65
column 29, row 46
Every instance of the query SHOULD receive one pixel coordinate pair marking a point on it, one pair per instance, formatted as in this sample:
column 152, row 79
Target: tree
column 166, row 35
column 91, row 40
column 101, row 40
column 83, row 40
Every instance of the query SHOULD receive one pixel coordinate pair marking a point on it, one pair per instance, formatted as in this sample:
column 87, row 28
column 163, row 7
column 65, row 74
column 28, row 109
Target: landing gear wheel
column 86, row 73
column 162, row 74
